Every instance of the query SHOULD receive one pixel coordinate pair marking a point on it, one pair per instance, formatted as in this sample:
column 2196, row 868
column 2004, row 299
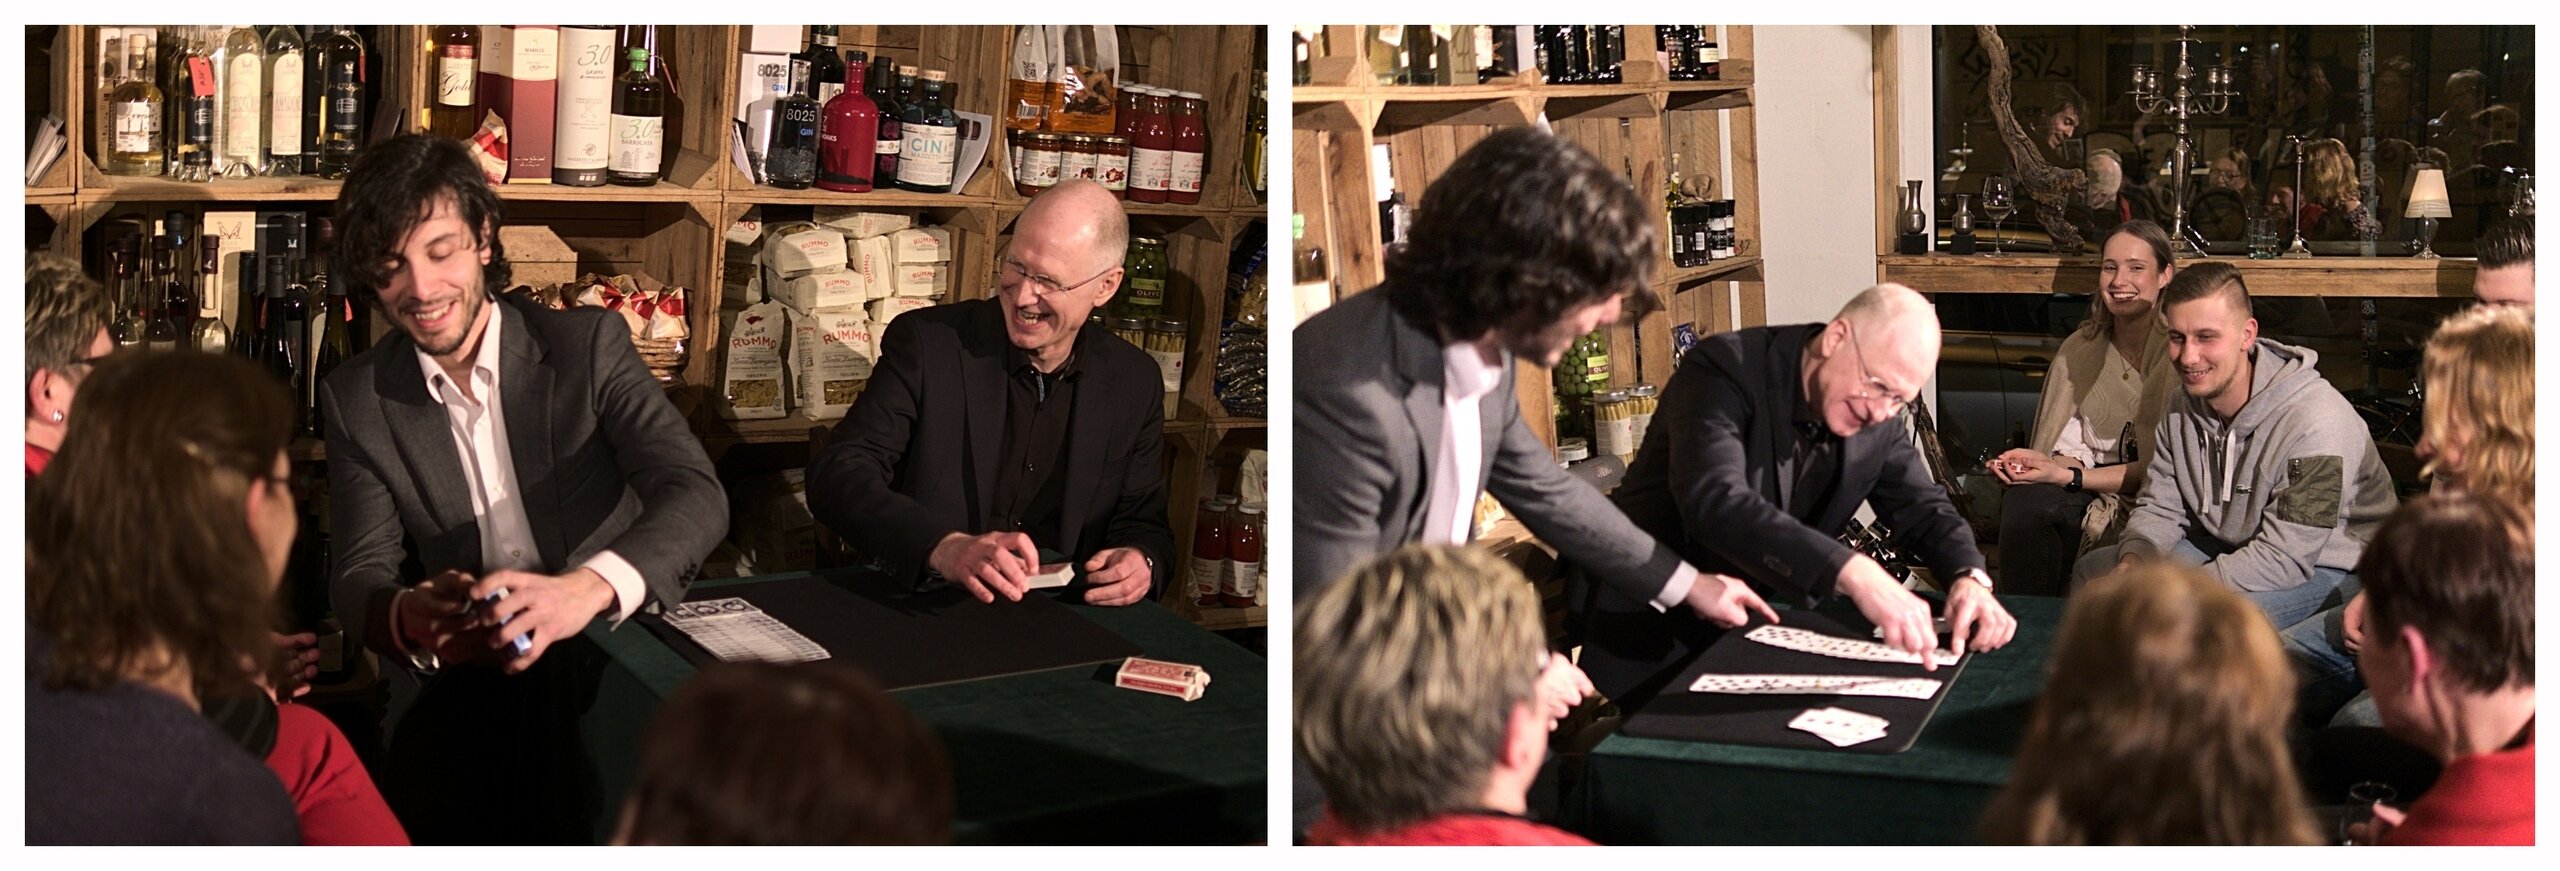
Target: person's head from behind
column 2133, row 263
column 2212, row 330
column 1064, row 262
column 67, row 314
column 418, row 229
column 2162, row 722
column 1868, row 363
column 2448, row 587
column 2505, row 274
column 2477, row 430
column 1415, row 681
column 2500, row 123
column 2106, row 178
column 157, row 538
column 764, row 754
column 1527, row 239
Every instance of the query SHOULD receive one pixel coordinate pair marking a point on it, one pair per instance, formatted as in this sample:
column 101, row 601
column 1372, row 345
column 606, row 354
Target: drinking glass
column 1998, row 200
column 2361, row 799
column 2262, row 238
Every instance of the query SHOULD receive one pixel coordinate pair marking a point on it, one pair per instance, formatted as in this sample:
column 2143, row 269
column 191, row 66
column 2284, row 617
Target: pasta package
column 751, row 362
column 831, row 356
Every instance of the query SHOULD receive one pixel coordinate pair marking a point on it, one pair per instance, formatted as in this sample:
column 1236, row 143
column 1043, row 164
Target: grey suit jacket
column 603, row 460
column 1368, row 404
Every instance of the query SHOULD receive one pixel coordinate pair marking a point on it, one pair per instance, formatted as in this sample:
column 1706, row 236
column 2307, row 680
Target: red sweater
column 1464, row 829
column 2480, row 800
column 331, row 791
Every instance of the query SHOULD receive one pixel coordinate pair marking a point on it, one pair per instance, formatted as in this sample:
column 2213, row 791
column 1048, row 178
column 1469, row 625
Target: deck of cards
column 1179, row 680
column 1806, row 641
column 1051, row 575
column 1840, row 726
column 1816, row 685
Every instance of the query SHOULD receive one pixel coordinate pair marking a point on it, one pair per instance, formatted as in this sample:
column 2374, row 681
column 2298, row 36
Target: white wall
column 1817, row 166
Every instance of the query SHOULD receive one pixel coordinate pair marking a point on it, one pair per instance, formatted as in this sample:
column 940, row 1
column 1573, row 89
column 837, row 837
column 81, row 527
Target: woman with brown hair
column 2103, row 396
column 808, row 753
column 2476, row 436
column 2334, row 207
column 154, row 545
column 2162, row 722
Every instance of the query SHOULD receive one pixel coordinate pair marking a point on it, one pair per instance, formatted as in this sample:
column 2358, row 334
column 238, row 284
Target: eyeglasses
column 1876, row 388
column 1012, row 272
column 86, row 363
column 291, row 483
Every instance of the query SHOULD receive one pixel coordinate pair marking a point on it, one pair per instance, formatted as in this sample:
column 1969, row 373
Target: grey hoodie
column 2268, row 485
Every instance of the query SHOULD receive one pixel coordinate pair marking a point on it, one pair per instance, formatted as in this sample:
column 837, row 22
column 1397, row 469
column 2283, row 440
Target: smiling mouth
column 433, row 317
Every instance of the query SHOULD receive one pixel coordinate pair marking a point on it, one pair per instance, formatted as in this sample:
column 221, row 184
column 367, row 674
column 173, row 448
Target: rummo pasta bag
column 751, row 362
column 831, row 355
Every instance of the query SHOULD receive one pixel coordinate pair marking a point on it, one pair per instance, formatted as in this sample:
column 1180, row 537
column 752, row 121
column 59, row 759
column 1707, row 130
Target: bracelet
column 2074, row 486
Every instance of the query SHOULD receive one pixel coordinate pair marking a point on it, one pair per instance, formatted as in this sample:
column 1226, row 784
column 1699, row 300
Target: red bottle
column 1208, row 551
column 1190, row 148
column 1151, row 153
column 1244, row 558
column 849, row 135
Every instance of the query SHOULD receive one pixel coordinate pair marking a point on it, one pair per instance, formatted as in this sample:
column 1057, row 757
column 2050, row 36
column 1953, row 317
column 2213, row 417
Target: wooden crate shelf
column 2354, row 277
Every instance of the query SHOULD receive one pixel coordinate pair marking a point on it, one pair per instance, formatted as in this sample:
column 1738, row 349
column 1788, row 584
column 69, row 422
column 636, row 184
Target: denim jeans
column 2283, row 607
column 2333, row 691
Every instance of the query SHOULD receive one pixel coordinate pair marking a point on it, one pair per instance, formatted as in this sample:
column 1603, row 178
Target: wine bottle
column 581, row 118
column 196, row 86
column 243, row 103
column 133, row 111
column 342, row 110
column 282, row 133
column 883, row 89
column 826, row 65
column 931, row 135
column 791, row 155
column 639, row 111
column 847, row 136
column 179, row 279
column 454, row 49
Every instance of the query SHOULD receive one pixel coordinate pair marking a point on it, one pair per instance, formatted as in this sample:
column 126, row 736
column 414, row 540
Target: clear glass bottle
column 281, row 134
column 1257, row 133
column 639, row 117
column 791, row 155
column 454, row 49
column 244, row 107
column 136, row 145
column 211, row 335
column 931, row 133
column 342, row 94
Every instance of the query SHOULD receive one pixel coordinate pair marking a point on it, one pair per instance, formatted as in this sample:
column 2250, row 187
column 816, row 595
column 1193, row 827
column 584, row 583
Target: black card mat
column 906, row 640
column 1730, row 718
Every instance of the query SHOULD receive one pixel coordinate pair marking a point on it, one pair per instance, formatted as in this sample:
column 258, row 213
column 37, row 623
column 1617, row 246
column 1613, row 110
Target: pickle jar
column 1131, row 330
column 1142, row 290
column 1642, row 400
column 1613, row 427
column 1166, row 341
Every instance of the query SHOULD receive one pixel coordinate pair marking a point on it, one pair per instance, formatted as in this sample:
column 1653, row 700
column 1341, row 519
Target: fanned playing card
column 1840, row 726
column 1816, row 684
column 1808, row 641
column 737, row 631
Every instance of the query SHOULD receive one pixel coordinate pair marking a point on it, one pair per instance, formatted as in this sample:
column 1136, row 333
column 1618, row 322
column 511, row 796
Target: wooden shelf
column 50, row 196
column 881, row 198
column 126, row 189
column 2040, row 274
column 660, row 192
column 1221, row 425
column 1222, row 619
column 1728, row 269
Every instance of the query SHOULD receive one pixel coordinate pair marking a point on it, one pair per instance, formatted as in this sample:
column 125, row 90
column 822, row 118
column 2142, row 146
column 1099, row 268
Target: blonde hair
column 2479, row 377
column 2163, row 722
column 1406, row 673
column 2329, row 173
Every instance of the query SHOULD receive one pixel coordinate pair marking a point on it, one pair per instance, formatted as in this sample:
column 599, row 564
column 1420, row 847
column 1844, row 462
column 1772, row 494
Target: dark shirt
column 1030, row 481
column 131, row 764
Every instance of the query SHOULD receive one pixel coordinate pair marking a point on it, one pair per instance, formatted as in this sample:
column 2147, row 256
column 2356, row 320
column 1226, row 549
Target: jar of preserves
column 1042, row 155
column 1190, row 148
column 1078, row 162
column 1111, row 164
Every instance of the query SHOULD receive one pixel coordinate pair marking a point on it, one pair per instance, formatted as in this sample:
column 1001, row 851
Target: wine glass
column 1998, row 200
column 2361, row 800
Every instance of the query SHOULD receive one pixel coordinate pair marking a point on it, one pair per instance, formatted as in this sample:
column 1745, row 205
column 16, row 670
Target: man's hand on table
column 1976, row 619
column 1904, row 617
column 1726, row 600
column 989, row 565
column 1562, row 685
column 1116, row 576
column 548, row 607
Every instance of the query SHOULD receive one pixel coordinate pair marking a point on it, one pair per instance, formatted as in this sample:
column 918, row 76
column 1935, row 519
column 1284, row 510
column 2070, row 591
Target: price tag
column 200, row 69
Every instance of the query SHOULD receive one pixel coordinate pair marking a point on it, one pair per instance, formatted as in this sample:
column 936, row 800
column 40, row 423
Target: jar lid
column 1169, row 325
column 1115, row 140
column 1250, row 509
column 1187, row 95
column 1574, row 449
column 1612, row 396
column 1045, row 137
column 1128, row 324
column 1640, row 391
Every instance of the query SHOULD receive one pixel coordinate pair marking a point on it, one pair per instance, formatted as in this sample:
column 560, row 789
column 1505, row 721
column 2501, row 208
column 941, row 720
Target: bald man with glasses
column 994, row 430
column 1768, row 441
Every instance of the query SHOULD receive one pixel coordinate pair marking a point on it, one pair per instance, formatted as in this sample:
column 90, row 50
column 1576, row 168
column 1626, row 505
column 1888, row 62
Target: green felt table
column 1653, row 791
column 1057, row 756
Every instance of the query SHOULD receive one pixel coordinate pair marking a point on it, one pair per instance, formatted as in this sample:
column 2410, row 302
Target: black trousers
column 484, row 757
column 2040, row 538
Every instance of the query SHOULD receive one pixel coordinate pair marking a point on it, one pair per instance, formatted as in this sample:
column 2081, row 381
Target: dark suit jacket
column 603, row 460
column 1706, row 477
column 1368, row 403
column 915, row 459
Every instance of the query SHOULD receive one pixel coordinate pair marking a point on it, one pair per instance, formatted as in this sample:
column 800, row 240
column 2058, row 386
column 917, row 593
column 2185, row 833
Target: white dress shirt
column 1448, row 514
column 479, row 422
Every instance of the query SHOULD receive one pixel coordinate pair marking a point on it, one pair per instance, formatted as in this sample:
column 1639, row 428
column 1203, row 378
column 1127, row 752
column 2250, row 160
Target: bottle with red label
column 1243, row 584
column 1209, row 547
column 1151, row 151
column 849, row 135
column 1190, row 148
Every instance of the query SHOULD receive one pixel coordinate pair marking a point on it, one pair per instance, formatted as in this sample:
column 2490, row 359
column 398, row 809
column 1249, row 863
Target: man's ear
column 1524, row 738
column 1108, row 285
column 2422, row 661
column 2249, row 330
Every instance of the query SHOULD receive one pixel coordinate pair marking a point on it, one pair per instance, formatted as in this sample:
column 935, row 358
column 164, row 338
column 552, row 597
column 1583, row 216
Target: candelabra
column 2213, row 99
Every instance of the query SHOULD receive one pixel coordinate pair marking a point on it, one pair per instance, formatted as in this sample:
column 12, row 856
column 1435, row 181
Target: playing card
column 1808, row 641
column 1817, row 684
column 1840, row 726
column 1051, row 575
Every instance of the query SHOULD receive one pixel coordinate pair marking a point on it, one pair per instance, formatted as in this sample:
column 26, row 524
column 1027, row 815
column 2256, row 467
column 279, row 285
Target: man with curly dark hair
column 1406, row 408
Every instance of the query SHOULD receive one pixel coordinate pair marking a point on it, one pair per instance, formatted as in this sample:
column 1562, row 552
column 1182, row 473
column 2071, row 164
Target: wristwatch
column 1975, row 575
column 2074, row 486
